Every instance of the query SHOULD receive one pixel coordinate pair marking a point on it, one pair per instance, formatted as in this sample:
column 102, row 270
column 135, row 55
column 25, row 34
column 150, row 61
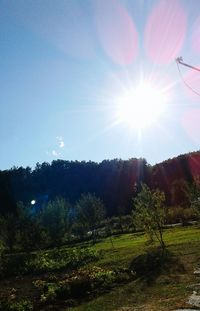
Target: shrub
column 177, row 214
column 19, row 264
column 23, row 305
column 82, row 282
column 14, row 264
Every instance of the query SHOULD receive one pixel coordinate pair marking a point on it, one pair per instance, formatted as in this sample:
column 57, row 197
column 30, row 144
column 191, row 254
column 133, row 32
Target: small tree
column 195, row 196
column 30, row 231
column 90, row 211
column 55, row 218
column 120, row 211
column 149, row 213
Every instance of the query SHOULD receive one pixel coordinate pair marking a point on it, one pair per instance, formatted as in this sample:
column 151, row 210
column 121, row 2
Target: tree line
column 111, row 180
column 115, row 182
column 55, row 223
column 58, row 222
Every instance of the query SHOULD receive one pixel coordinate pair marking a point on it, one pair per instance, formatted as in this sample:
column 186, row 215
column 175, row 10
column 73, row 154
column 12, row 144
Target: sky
column 65, row 65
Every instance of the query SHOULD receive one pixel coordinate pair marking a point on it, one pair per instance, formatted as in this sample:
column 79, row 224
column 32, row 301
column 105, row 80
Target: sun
column 142, row 106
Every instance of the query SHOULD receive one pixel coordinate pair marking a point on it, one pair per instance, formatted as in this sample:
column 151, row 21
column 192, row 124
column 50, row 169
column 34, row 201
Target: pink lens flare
column 191, row 124
column 196, row 36
column 116, row 31
column 165, row 31
column 194, row 164
column 192, row 84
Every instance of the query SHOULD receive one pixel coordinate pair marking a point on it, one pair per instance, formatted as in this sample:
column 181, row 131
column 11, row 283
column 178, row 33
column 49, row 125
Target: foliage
column 110, row 180
column 14, row 264
column 58, row 259
column 180, row 193
column 81, row 283
column 195, row 196
column 55, row 217
column 90, row 212
column 149, row 213
column 23, row 305
column 20, row 264
column 31, row 233
column 167, row 291
column 115, row 263
column 177, row 214
column 121, row 224
column 8, row 230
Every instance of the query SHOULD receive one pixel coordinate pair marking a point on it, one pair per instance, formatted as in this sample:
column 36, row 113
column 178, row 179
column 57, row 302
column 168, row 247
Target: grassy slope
column 168, row 292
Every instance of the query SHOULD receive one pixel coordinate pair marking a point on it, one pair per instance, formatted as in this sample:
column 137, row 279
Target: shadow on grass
column 155, row 262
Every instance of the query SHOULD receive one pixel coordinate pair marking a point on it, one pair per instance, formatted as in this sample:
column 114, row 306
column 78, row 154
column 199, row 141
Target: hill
column 114, row 181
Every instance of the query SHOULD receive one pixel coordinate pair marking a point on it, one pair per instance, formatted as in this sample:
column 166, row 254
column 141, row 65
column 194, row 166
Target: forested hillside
column 116, row 181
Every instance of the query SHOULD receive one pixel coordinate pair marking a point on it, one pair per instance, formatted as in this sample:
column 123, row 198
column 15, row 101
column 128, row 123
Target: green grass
column 167, row 292
column 128, row 246
column 137, row 296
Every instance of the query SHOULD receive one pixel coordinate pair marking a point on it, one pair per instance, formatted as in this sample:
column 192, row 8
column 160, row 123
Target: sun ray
column 141, row 106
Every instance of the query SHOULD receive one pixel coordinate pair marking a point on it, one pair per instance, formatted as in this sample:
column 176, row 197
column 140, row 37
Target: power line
column 179, row 60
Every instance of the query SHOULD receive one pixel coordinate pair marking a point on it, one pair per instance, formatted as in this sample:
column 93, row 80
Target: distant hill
column 184, row 167
column 114, row 181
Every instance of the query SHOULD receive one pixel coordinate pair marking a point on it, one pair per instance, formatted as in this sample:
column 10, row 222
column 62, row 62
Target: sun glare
column 142, row 106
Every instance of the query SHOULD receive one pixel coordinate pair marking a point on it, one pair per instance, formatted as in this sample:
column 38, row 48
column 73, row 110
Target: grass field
column 169, row 290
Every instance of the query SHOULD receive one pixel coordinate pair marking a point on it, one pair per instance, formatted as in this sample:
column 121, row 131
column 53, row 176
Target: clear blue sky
column 63, row 64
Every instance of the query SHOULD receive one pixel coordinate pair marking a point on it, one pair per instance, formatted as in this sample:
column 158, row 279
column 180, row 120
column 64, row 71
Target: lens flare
column 191, row 124
column 165, row 31
column 116, row 31
column 192, row 80
column 196, row 36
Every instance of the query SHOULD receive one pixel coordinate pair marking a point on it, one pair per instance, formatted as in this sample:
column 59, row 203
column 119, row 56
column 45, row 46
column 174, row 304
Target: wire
column 186, row 84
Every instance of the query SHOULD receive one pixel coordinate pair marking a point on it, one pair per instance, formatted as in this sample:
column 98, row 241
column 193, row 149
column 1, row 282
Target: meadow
column 122, row 272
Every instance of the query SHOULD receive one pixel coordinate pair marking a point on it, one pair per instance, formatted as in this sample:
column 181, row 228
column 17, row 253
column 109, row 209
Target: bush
column 14, row 264
column 57, row 259
column 81, row 283
column 177, row 214
column 23, row 305
column 117, row 225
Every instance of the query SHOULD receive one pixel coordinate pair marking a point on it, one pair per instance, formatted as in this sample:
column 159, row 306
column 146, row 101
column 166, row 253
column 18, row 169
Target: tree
column 120, row 211
column 180, row 193
column 30, row 231
column 90, row 211
column 195, row 196
column 8, row 226
column 55, row 217
column 149, row 213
